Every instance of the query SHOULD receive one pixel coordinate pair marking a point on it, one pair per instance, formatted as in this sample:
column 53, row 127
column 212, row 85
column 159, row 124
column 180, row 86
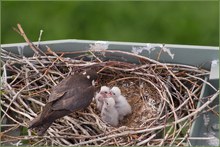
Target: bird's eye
column 113, row 93
column 106, row 92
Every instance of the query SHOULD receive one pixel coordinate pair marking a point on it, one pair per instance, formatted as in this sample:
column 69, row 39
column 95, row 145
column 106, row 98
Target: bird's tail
column 40, row 129
column 39, row 123
column 39, row 126
column 43, row 121
column 34, row 123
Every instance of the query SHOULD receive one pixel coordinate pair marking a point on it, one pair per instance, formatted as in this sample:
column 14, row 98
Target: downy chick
column 121, row 104
column 103, row 93
column 109, row 114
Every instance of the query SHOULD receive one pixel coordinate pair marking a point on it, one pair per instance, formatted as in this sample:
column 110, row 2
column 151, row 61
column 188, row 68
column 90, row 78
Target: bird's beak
column 109, row 94
column 95, row 82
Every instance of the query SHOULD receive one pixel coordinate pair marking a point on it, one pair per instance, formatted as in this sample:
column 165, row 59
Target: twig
column 39, row 39
column 26, row 39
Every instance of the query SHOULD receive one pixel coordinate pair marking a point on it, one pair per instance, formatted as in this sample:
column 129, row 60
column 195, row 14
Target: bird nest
column 163, row 98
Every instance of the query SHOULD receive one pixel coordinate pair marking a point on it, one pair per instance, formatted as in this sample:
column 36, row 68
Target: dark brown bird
column 73, row 93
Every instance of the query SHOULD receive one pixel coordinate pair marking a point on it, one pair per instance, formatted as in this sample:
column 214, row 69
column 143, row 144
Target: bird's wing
column 75, row 99
column 55, row 95
column 70, row 82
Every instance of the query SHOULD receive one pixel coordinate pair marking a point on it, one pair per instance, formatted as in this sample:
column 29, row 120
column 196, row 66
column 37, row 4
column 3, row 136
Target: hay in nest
column 163, row 98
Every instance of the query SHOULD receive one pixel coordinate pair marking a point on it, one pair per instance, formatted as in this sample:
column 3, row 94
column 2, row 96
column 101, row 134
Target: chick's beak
column 109, row 94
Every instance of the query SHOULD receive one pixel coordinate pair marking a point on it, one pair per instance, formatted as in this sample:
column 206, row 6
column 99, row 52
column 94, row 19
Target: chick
column 103, row 93
column 109, row 114
column 121, row 104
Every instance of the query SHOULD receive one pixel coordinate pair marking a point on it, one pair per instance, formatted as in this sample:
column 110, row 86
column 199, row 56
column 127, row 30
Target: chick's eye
column 113, row 93
column 106, row 92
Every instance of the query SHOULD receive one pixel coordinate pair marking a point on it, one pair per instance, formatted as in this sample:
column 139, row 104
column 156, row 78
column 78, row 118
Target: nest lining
column 162, row 97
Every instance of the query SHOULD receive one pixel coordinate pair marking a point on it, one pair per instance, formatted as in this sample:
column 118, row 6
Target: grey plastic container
column 206, row 57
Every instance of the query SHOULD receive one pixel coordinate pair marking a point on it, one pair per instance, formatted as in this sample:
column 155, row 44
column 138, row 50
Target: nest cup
column 142, row 96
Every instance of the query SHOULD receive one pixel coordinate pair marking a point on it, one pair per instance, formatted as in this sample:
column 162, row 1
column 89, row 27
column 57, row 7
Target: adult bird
column 73, row 93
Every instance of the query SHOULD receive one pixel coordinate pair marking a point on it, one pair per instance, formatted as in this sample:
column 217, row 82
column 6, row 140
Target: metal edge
column 113, row 42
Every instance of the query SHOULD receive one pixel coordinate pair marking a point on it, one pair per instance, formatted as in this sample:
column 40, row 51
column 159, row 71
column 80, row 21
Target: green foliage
column 183, row 22
column 24, row 131
column 1, row 92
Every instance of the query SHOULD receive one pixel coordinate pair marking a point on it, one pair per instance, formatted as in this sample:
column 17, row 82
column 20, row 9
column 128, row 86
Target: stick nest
column 163, row 98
